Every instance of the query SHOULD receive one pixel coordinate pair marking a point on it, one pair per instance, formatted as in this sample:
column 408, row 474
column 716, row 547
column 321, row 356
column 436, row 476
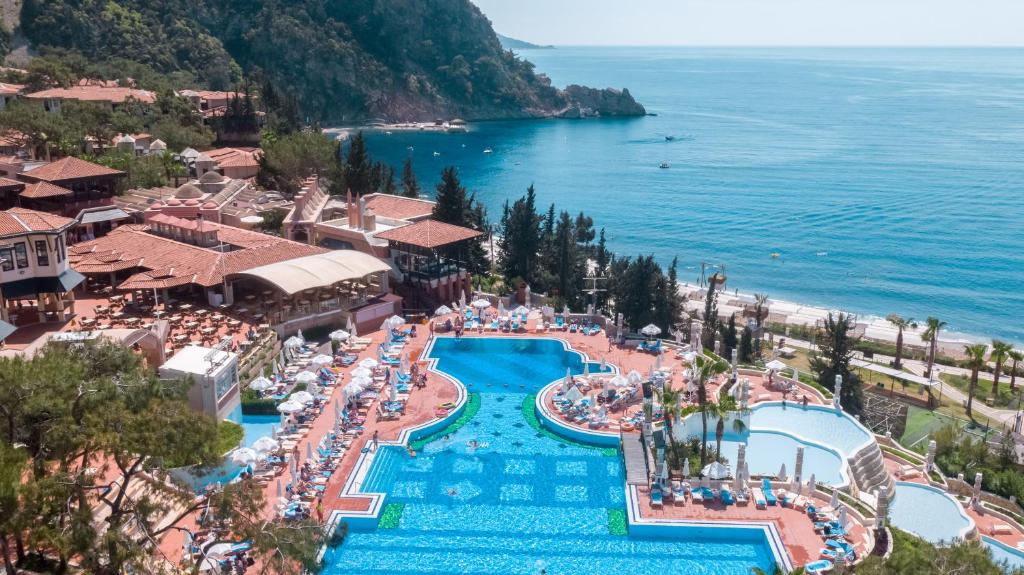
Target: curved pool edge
column 553, row 423
column 992, row 542
column 965, row 533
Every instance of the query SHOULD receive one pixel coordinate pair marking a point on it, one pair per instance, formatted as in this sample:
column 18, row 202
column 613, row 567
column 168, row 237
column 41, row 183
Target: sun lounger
column 559, row 323
column 656, row 497
column 1001, row 529
column 727, row 497
column 820, row 566
column 741, row 497
column 678, row 493
column 697, row 495
column 759, row 501
column 769, row 495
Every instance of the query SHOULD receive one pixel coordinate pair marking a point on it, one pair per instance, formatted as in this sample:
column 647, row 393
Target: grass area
column 229, row 436
column 472, row 407
column 1006, row 398
column 530, row 415
column 617, row 521
column 901, row 455
column 391, row 517
column 921, row 423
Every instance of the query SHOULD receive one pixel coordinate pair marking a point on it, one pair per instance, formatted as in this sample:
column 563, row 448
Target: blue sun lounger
column 769, row 495
column 727, row 497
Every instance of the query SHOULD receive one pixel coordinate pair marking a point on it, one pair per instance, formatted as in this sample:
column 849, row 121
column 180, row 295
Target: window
column 42, row 256
column 6, row 259
column 21, row 255
column 58, row 246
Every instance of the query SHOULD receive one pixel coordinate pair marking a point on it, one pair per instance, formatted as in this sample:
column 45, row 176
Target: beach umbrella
column 352, row 389
column 480, row 303
column 782, row 473
column 369, row 363
column 299, row 335
column 266, row 444
column 650, row 330
column 350, row 327
column 657, row 361
column 309, row 450
column 363, row 382
column 634, row 377
column 362, row 372
column 798, row 469
column 529, row 296
column 273, row 430
column 686, row 468
column 339, row 335
column 322, row 360
column 393, row 395
column 243, row 456
column 741, row 458
column 775, row 365
column 443, row 310
column 405, row 366
column 565, row 313
column 566, row 381
column 604, row 364
column 843, row 519
column 306, row 377
column 290, row 406
column 521, row 310
column 618, row 380
column 586, row 369
column 293, row 468
column 834, row 502
column 293, row 342
column 396, row 321
column 715, row 470
column 280, row 490
column 976, row 494
column 303, row 397
column 811, row 485
column 574, row 394
column 260, row 384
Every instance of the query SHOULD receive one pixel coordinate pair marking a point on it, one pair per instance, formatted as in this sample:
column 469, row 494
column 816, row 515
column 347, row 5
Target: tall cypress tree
column 357, row 170
column 410, row 187
column 520, row 239
column 601, row 255
column 451, row 199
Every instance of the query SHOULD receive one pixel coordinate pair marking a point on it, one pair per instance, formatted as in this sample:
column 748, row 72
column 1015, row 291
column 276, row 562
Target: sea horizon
column 853, row 168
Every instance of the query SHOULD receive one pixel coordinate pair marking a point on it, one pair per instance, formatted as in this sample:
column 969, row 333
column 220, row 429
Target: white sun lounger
column 759, row 501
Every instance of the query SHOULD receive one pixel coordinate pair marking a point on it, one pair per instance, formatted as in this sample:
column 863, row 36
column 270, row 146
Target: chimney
column 369, row 221
column 358, row 209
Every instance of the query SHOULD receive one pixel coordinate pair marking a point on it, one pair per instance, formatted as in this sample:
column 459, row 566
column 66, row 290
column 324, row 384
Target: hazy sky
column 761, row 22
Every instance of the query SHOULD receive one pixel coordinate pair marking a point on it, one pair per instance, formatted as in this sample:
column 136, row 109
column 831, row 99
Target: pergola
column 430, row 253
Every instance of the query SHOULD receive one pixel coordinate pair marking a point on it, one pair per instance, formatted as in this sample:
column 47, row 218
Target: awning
column 111, row 214
column 319, row 270
column 65, row 282
column 6, row 329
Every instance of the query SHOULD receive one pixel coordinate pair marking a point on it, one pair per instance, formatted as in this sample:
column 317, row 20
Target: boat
column 775, row 255
column 670, row 138
column 488, row 151
column 663, row 165
column 436, row 154
column 410, row 148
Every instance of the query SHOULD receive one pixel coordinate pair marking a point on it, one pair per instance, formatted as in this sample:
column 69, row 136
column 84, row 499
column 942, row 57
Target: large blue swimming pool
column 929, row 513
column 520, row 501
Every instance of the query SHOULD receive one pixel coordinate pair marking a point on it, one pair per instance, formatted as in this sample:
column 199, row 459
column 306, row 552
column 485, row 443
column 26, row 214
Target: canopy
column 362, row 381
column 353, row 388
column 260, row 384
column 650, row 330
column 339, row 335
column 574, row 394
column 303, row 397
column 715, row 470
column 293, row 342
column 318, row 270
column 290, row 406
column 369, row 363
column 243, row 456
column 266, row 444
column 306, row 377
column 395, row 321
column 322, row 359
column 775, row 365
column 361, row 372
column 634, row 377
column 480, row 303
column 443, row 310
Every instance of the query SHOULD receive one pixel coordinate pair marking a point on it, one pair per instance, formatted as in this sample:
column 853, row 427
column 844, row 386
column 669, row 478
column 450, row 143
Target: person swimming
column 452, row 492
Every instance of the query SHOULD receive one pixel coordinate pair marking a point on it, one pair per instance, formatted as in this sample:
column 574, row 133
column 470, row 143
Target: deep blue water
column 520, row 501
column 888, row 180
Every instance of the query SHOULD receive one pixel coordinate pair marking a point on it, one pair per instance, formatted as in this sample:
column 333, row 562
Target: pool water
column 519, row 501
column 928, row 512
column 1004, row 554
column 767, row 450
column 822, row 425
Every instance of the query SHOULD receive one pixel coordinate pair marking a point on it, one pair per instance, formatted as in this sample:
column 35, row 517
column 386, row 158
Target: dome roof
column 211, row 178
column 187, row 192
column 124, row 139
column 209, row 205
column 157, row 204
column 191, row 202
column 174, row 202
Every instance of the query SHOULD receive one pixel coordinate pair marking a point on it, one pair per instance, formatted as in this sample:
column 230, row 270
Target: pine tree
column 729, row 337
column 410, row 187
column 835, row 350
column 567, row 265
column 601, row 255
column 451, row 199
column 746, row 354
column 357, row 170
column 520, row 239
column 710, row 313
column 584, row 230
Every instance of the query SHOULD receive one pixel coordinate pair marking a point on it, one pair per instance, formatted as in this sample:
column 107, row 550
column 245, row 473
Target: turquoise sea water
column 520, row 501
column 888, row 180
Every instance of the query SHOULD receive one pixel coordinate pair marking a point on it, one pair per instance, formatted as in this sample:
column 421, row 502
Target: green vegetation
column 901, row 455
column 959, row 452
column 530, row 415
column 617, row 522
column 252, row 404
column 470, row 411
column 835, row 350
column 76, row 417
column 332, row 61
column 391, row 516
column 914, row 556
column 229, row 436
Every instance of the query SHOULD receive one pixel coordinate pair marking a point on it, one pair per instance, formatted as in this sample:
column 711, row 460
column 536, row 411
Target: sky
column 760, row 22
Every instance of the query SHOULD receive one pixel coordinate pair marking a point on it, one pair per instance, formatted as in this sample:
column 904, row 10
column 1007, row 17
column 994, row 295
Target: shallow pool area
column 498, row 496
column 929, row 513
column 821, row 425
column 1011, row 558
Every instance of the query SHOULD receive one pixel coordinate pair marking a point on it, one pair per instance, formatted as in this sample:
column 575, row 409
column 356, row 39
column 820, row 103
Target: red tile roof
column 169, row 262
column 17, row 221
column 11, row 89
column 41, row 190
column 115, row 95
column 235, row 157
column 398, row 207
column 70, row 168
column 429, row 234
column 9, row 185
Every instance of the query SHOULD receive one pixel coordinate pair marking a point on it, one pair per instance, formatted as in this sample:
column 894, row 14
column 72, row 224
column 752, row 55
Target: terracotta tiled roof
column 40, row 190
column 11, row 89
column 70, row 168
column 235, row 157
column 169, row 262
column 429, row 234
column 8, row 185
column 116, row 95
column 398, row 207
column 13, row 139
column 20, row 220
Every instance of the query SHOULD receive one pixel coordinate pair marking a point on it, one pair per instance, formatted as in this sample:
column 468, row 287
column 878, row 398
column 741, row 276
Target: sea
column 873, row 180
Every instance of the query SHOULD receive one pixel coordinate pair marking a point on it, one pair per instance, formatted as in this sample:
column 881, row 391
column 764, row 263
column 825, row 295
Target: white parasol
column 261, row 384
column 574, row 394
column 243, row 456
column 443, row 310
column 303, row 397
column 480, row 303
column 715, row 470
column 290, row 406
column 775, row 365
column 306, row 377
column 361, row 372
column 266, row 445
column 293, row 342
column 322, row 360
column 369, row 363
column 650, row 330
column 339, row 335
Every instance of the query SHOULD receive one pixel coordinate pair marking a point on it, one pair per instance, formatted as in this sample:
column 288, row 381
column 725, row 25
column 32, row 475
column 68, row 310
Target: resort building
column 96, row 91
column 9, row 93
column 238, row 163
column 214, row 373
column 69, row 185
column 429, row 256
column 211, row 197
column 267, row 279
column 36, row 281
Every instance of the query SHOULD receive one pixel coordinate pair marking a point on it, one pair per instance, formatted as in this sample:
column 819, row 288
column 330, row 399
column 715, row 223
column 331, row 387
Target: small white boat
column 410, row 148
column 663, row 165
column 488, row 151
column 436, row 154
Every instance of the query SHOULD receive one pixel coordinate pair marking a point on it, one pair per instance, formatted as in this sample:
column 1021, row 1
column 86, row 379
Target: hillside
column 342, row 60
column 517, row 44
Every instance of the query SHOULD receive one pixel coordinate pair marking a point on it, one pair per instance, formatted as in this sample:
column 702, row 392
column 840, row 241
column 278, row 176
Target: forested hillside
column 341, row 60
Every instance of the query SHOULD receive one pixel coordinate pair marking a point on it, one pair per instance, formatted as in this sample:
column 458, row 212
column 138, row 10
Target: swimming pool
column 1004, row 554
column 519, row 501
column 929, row 513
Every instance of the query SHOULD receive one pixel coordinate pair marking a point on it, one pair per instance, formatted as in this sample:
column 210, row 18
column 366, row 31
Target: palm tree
column 760, row 307
column 1000, row 349
column 671, row 408
column 975, row 361
column 1016, row 357
column 706, row 368
column 931, row 333
column 722, row 410
column 901, row 324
